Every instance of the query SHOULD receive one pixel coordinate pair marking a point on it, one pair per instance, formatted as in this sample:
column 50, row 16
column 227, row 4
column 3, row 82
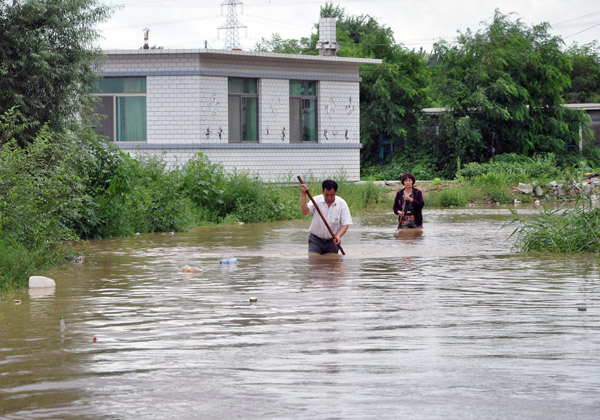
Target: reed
column 561, row 230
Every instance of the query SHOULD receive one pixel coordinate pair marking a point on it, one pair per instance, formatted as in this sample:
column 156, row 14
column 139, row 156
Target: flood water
column 448, row 324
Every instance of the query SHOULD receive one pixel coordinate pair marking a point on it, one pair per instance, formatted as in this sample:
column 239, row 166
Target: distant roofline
column 584, row 106
column 216, row 52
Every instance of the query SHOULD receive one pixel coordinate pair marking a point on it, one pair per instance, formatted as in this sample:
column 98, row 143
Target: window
column 243, row 110
column 123, row 102
column 303, row 111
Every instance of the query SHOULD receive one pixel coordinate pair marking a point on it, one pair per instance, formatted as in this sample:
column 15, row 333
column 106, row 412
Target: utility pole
column 231, row 25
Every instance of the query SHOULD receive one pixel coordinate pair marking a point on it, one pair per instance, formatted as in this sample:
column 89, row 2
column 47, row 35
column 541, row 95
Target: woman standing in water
column 409, row 203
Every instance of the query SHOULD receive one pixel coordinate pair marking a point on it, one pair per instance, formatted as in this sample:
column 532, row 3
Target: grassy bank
column 496, row 181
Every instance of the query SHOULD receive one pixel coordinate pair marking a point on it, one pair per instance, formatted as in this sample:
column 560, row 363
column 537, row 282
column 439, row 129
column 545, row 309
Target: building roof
column 585, row 107
column 248, row 54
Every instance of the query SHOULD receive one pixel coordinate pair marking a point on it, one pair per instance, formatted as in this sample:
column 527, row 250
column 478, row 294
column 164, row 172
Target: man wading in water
column 336, row 212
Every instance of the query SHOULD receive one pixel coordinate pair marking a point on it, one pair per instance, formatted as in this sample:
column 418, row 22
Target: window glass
column 121, row 108
column 303, row 111
column 249, row 119
column 237, row 85
column 300, row 88
column 309, row 120
column 131, row 118
column 122, row 85
column 243, row 110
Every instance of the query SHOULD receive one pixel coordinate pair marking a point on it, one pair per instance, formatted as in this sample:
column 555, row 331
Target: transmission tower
column 231, row 25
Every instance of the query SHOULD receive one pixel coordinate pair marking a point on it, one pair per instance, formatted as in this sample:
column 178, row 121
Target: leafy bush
column 40, row 193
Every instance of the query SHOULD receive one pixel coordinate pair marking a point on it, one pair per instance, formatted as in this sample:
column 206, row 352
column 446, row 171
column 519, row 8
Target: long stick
column 321, row 214
column 403, row 215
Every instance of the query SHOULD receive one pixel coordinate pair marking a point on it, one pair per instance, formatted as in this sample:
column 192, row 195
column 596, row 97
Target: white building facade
column 274, row 115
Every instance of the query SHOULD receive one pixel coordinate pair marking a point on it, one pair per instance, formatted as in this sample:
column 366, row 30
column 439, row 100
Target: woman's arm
column 418, row 201
column 397, row 207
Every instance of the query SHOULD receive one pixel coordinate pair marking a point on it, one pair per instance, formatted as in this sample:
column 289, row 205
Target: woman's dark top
column 415, row 207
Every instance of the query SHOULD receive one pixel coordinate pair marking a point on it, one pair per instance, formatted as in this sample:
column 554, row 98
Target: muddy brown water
column 446, row 323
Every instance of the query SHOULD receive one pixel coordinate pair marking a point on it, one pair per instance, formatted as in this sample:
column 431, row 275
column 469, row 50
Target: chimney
column 327, row 45
column 146, row 31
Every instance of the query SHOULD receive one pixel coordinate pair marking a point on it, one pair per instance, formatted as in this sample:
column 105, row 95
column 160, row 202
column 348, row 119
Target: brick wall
column 272, row 165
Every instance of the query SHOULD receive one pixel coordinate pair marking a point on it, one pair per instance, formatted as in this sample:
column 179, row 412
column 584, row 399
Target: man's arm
column 338, row 237
column 303, row 202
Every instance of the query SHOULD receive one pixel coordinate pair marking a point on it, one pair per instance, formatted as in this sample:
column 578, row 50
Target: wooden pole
column 321, row 214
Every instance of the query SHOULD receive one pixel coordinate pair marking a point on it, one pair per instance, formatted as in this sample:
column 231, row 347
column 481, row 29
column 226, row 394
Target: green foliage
column 495, row 177
column 16, row 265
column 284, row 46
column 585, row 74
column 510, row 169
column 452, row 197
column 591, row 153
column 503, row 88
column 47, row 59
column 364, row 196
column 204, row 182
column 561, row 230
column 40, row 193
column 419, row 163
column 250, row 200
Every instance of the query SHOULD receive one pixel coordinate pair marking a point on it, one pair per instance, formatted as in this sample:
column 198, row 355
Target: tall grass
column 456, row 196
column 561, row 230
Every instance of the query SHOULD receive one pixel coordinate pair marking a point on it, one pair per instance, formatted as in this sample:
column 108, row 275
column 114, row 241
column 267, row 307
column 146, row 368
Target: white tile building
column 276, row 115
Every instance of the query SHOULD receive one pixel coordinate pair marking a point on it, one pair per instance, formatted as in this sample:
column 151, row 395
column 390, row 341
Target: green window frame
column 303, row 111
column 243, row 110
column 122, row 109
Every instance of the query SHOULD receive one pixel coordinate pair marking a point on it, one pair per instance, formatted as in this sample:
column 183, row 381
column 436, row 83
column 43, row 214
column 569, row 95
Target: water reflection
column 409, row 235
column 436, row 324
column 325, row 267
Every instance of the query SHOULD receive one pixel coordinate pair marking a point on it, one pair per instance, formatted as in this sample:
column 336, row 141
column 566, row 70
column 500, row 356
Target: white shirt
column 337, row 215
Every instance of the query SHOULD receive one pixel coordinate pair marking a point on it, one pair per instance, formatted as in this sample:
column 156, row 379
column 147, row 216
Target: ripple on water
column 443, row 323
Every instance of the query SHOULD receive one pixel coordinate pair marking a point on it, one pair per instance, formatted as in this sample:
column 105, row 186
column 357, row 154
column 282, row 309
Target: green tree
column 47, row 61
column 585, row 76
column 286, row 46
column 503, row 87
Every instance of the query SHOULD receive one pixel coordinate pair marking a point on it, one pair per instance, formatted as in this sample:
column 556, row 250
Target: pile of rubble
column 589, row 186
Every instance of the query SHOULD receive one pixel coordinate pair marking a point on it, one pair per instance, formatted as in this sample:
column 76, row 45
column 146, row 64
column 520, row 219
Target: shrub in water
column 575, row 230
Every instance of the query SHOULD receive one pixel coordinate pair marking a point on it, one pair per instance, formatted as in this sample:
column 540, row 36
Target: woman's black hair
column 408, row 175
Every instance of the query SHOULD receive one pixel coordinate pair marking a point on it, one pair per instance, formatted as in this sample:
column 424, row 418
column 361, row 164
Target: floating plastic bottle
column 62, row 324
column 228, row 261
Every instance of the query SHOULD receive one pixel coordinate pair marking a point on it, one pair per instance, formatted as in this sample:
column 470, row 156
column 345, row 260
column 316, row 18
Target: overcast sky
column 188, row 24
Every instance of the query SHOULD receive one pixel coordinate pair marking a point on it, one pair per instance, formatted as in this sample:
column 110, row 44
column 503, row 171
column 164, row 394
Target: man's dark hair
column 330, row 184
column 408, row 175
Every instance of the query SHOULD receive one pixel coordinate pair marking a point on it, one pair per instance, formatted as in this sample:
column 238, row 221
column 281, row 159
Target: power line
column 577, row 33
